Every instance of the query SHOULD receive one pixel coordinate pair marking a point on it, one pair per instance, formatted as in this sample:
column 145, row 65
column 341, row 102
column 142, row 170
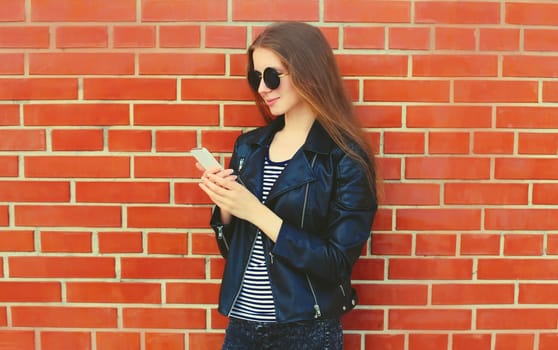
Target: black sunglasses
column 271, row 77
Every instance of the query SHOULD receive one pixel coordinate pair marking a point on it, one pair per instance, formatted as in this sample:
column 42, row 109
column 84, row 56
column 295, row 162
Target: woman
column 295, row 208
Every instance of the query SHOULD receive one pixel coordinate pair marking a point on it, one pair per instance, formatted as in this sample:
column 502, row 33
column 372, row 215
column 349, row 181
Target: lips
column 270, row 102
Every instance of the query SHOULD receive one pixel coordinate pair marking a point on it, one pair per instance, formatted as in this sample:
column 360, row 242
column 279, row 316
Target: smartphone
column 205, row 158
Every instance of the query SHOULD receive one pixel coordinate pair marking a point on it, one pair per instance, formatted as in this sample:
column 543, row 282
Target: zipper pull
column 271, row 257
column 220, row 231
column 240, row 163
column 318, row 312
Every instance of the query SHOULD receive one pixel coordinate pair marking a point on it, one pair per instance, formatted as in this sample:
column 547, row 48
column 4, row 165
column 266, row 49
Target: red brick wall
column 104, row 241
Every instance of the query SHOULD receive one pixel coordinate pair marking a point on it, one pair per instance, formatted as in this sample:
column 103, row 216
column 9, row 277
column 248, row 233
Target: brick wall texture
column 104, row 238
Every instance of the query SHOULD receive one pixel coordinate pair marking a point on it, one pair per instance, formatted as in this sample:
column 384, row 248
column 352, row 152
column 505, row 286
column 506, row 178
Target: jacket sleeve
column 351, row 213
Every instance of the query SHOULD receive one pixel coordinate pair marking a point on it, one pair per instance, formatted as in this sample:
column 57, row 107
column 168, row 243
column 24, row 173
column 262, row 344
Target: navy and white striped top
column 255, row 301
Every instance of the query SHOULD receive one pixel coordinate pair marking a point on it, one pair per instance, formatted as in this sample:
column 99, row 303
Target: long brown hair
column 310, row 62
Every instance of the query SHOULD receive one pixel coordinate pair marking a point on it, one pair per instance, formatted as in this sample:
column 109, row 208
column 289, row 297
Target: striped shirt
column 255, row 301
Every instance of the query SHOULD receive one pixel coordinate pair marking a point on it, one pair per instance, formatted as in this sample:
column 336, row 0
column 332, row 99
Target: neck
column 299, row 121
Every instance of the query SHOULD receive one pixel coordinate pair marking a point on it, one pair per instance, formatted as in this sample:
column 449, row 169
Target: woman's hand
column 226, row 174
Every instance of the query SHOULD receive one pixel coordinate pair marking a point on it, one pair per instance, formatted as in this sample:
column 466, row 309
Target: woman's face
column 283, row 99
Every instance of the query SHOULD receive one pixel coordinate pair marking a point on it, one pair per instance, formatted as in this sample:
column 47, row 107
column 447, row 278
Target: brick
column 82, row 37
column 441, row 142
column 3, row 317
column 521, row 219
column 13, row 292
column 220, row 36
column 65, row 340
column 49, row 11
column 31, row 37
column 77, row 167
column 4, row 216
column 538, row 293
column 531, row 13
column 168, row 217
column 383, row 341
column 517, row 318
column 253, row 10
column 165, row 167
column 388, row 294
column 450, row 38
column 175, row 140
column 430, row 341
column 548, row 341
column 545, row 193
column 455, row 65
column 517, row 268
column 449, row 116
column 118, row 340
column 215, row 89
column 367, row 37
column 77, row 63
column 17, row 339
column 499, row 39
column 362, row 319
column 367, row 11
column 120, row 242
column 11, row 63
column 176, row 114
column 68, row 215
column 435, row 245
column 242, row 115
column 9, row 115
column 66, row 242
column 184, row 10
column 77, row 140
column 495, row 91
column 526, row 117
column 192, row 293
column 493, row 142
column 17, row 241
column 372, row 65
column 167, row 243
column 476, row 341
column 430, row 269
column 164, row 341
column 237, row 64
column 480, row 244
column 22, row 140
column 219, row 140
column 432, row 319
column 466, row 193
column 537, row 143
column 550, row 92
column 190, row 193
column 472, row 294
column 167, row 268
column 122, row 192
column 529, row 66
column 450, row 12
column 38, row 89
column 12, row 11
column 369, row 269
column 181, row 64
column 129, row 89
column 526, row 168
column 438, row 219
column 184, row 36
column 203, row 244
column 129, row 140
column 61, row 267
column 523, row 245
column 83, row 114
column 411, row 194
column 63, row 317
column 379, row 116
column 388, row 168
column 404, row 38
column 164, row 318
column 515, row 341
column 140, row 36
column 113, row 292
column 406, row 90
column 447, row 168
column 391, row 244
column 540, row 40
column 205, row 340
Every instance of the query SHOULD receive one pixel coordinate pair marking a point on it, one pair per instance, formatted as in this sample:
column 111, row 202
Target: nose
column 262, row 88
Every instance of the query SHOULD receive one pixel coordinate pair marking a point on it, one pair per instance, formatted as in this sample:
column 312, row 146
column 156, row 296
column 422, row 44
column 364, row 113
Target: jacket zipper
column 317, row 313
column 221, row 236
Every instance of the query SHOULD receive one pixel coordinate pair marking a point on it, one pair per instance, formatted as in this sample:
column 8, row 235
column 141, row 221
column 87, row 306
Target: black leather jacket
column 327, row 209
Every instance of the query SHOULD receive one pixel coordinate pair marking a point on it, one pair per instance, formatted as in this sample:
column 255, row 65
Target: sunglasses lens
column 254, row 79
column 271, row 78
